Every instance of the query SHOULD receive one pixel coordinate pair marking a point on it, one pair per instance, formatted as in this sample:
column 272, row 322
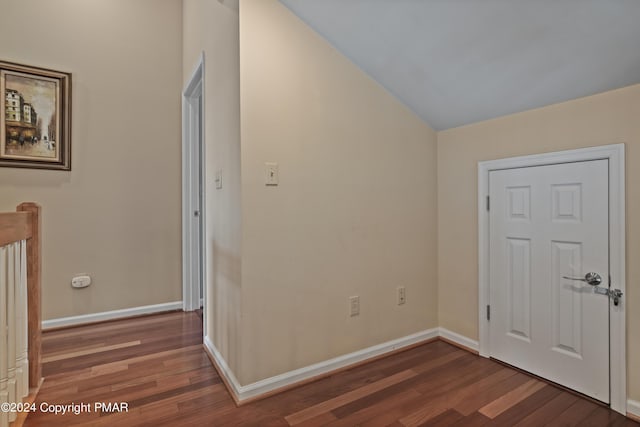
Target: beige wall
column 116, row 215
column 607, row 118
column 354, row 213
column 212, row 28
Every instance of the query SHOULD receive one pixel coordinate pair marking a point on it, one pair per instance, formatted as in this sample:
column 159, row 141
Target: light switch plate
column 219, row 179
column 271, row 173
column 402, row 295
column 354, row 306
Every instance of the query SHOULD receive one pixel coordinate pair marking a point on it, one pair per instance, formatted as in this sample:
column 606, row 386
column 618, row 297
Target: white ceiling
column 456, row 62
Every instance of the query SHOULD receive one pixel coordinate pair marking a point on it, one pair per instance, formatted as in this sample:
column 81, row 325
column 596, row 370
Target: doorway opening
column 193, row 193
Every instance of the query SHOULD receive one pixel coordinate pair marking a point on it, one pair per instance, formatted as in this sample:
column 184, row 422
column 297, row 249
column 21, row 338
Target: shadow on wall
column 32, row 178
column 231, row 4
column 226, row 303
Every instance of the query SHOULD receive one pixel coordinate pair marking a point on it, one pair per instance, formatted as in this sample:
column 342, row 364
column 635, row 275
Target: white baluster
column 4, row 394
column 11, row 333
column 23, row 310
column 17, row 284
column 20, row 293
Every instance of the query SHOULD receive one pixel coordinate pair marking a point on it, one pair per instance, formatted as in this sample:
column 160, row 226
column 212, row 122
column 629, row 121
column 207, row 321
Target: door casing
column 193, row 191
column 617, row 335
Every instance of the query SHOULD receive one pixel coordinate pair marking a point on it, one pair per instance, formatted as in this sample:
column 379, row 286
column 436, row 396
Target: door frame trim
column 193, row 139
column 615, row 154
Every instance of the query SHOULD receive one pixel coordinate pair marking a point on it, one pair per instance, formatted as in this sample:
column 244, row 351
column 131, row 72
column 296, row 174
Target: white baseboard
column 292, row 377
column 223, row 368
column 110, row 315
column 459, row 339
column 633, row 408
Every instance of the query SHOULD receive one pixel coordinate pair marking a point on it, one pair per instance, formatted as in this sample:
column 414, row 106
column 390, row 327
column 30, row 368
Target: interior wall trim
column 245, row 393
column 110, row 315
column 459, row 340
column 633, row 410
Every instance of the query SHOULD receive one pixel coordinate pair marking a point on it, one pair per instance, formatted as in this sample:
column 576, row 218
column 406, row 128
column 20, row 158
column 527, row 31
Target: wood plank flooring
column 157, row 366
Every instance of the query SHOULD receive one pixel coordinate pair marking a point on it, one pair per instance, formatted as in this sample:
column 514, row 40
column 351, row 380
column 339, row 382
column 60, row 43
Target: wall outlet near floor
column 81, row 281
column 402, row 295
column 354, row 306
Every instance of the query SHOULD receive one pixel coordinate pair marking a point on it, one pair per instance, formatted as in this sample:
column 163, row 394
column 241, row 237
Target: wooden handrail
column 14, row 226
column 25, row 224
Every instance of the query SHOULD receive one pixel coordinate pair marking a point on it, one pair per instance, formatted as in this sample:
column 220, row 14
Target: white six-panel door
column 547, row 223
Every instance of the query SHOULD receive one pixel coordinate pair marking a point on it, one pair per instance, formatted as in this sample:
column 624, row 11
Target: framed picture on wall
column 35, row 117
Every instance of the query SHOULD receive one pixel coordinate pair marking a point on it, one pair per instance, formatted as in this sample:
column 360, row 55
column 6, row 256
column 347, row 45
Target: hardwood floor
column 157, row 366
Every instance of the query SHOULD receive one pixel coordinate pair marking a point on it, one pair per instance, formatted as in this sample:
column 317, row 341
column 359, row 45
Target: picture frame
column 35, row 117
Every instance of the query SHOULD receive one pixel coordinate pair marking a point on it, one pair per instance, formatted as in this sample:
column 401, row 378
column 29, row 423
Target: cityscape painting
column 35, row 117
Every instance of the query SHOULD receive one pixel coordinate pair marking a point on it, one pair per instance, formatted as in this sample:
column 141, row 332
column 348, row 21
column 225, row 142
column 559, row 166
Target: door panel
column 548, row 222
column 566, row 300
column 519, row 287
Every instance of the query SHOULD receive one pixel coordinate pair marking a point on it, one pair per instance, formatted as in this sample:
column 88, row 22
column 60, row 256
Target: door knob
column 591, row 278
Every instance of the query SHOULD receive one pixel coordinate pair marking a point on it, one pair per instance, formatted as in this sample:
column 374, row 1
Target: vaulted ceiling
column 455, row 62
